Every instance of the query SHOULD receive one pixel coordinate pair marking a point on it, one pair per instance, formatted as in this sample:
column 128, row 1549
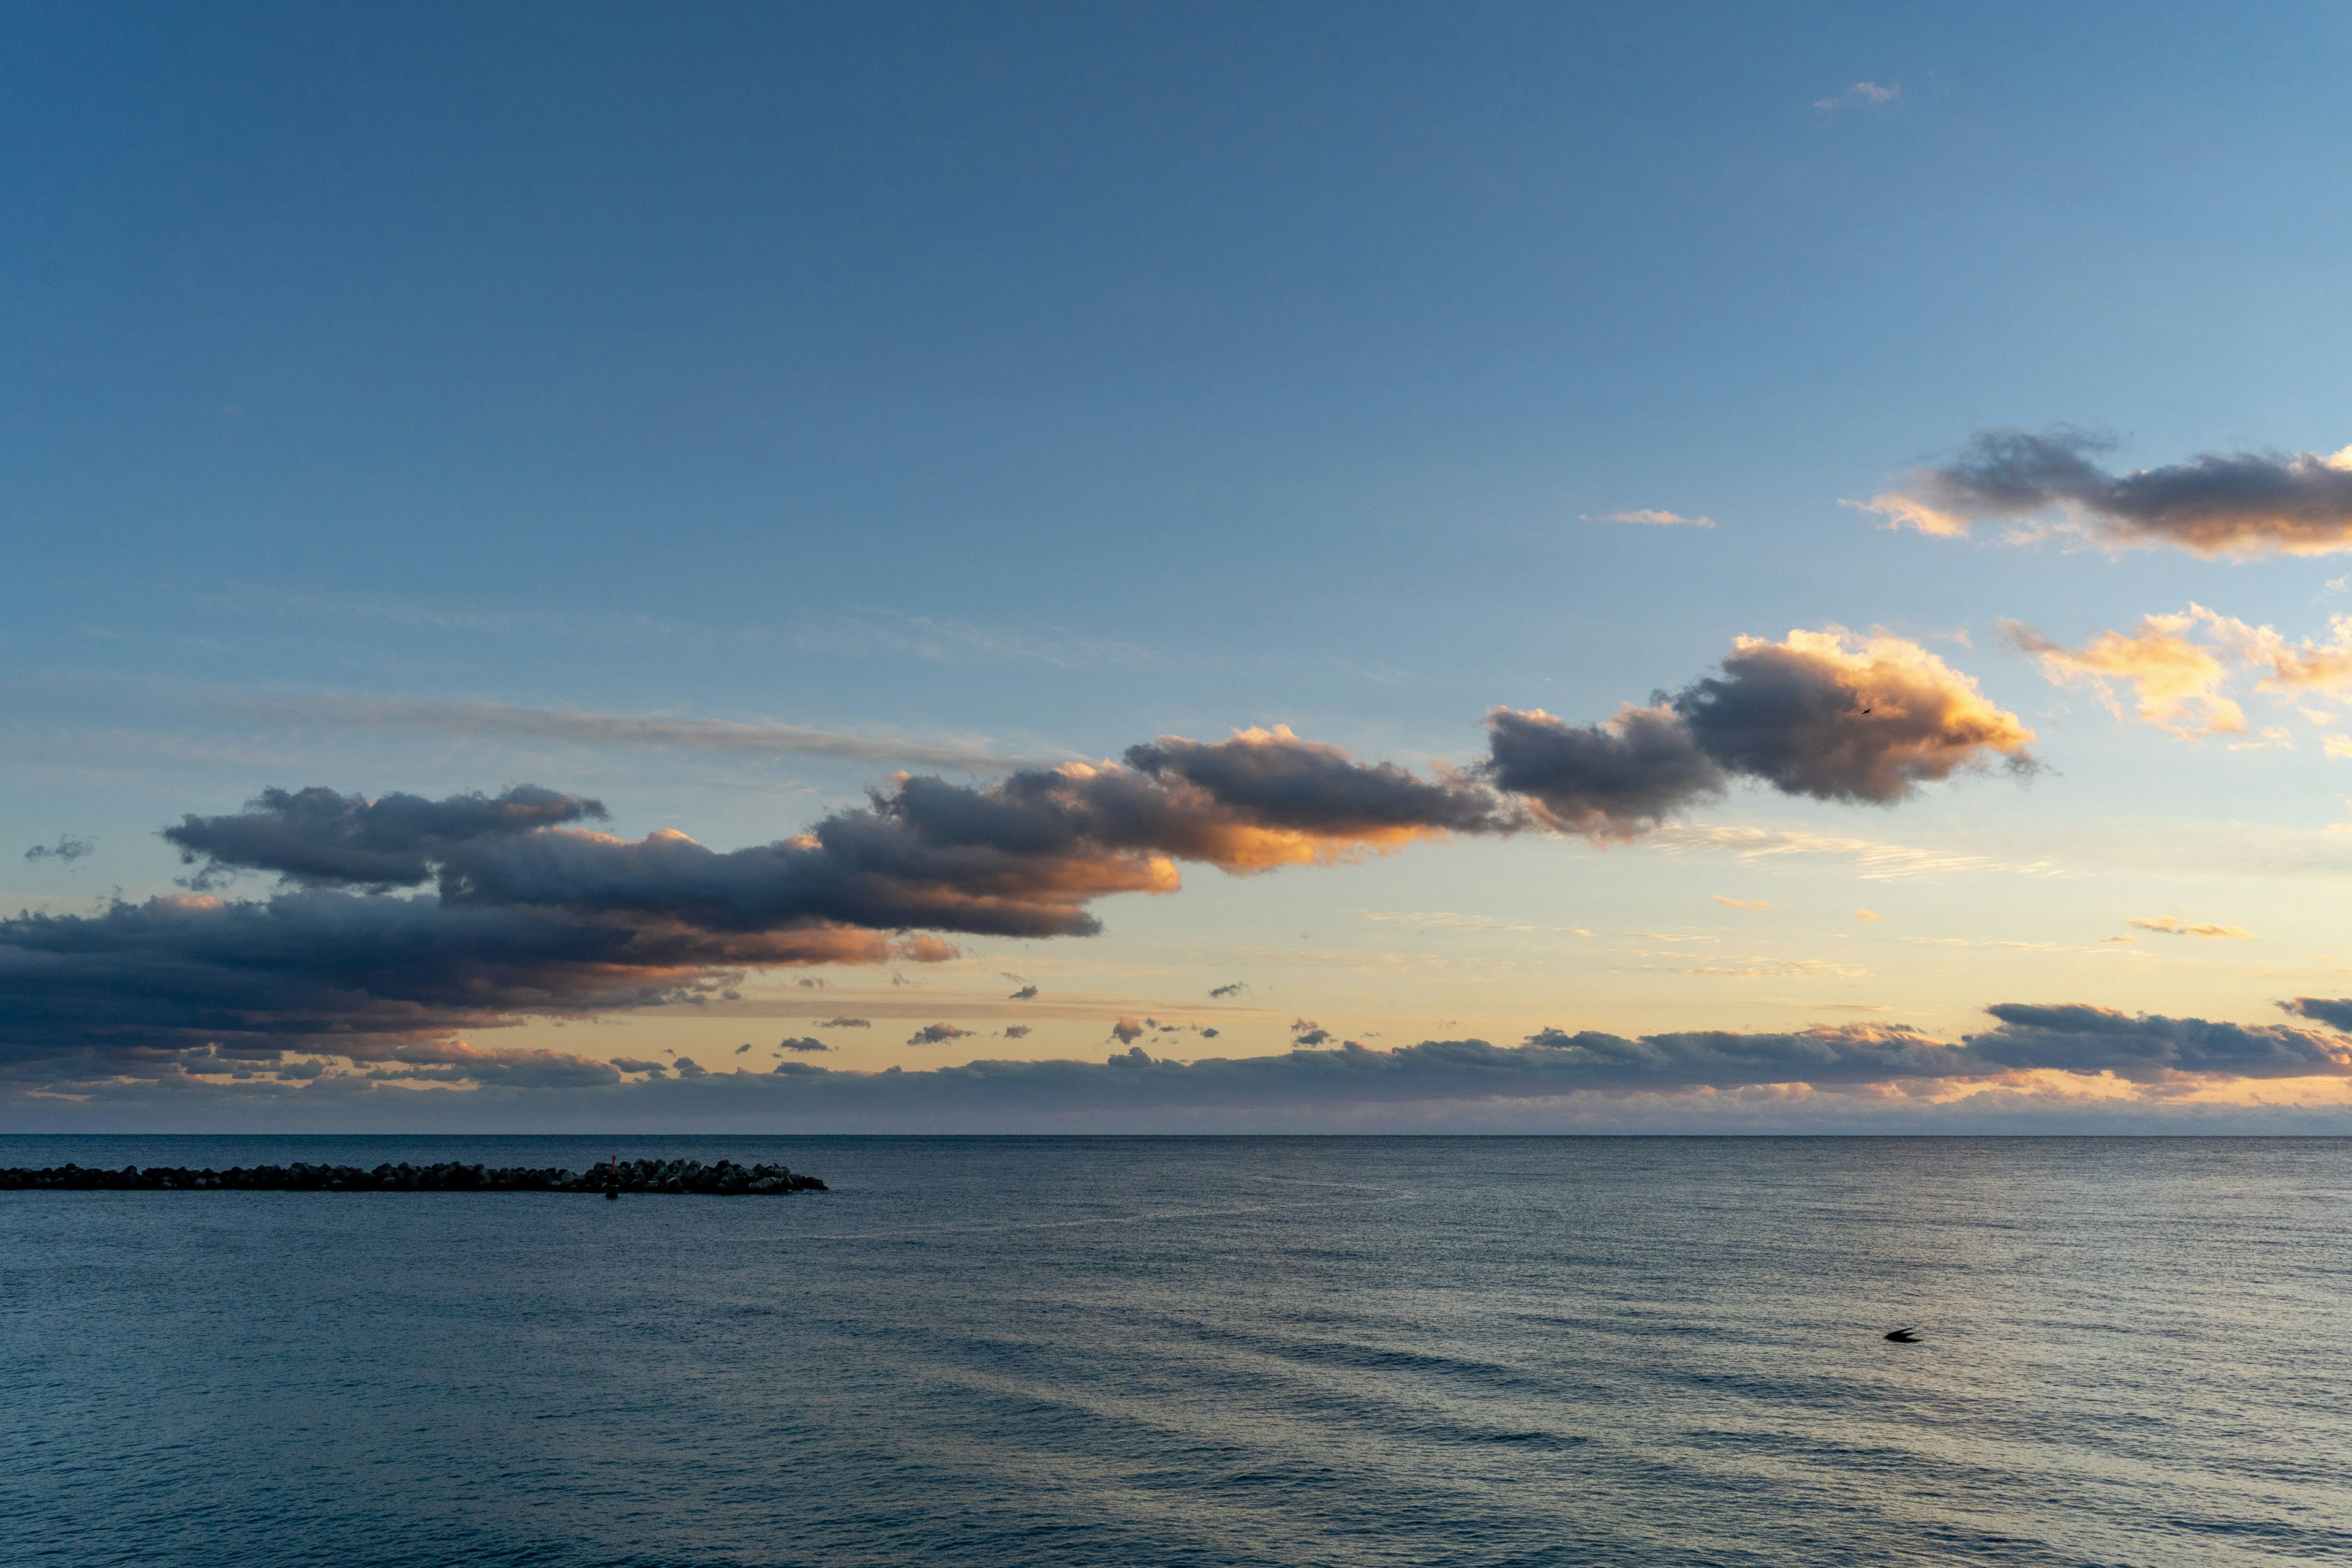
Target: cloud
column 2333, row 1012
column 1880, row 861
column 1222, row 993
column 802, row 1043
column 1027, row 993
column 1553, row 1078
column 2179, row 664
column 1822, row 714
column 1862, row 94
column 319, row 838
column 2171, row 926
column 937, row 1034
column 68, row 850
column 1652, row 519
column 842, row 1023
column 1017, row 1031
column 2238, row 504
column 743, row 1048
column 2069, row 1038
column 2144, row 1049
column 633, row 1064
column 1127, row 1030
column 1285, row 801
column 364, row 976
column 1306, row 1032
column 504, row 721
column 1862, row 914
column 1742, row 903
column 400, row 918
column 2176, row 682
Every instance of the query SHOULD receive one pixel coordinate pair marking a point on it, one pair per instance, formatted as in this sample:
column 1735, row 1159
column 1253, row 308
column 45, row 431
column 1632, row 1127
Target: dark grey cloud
column 2217, row 503
column 2152, row 1049
column 321, row 838
column 1614, row 779
column 937, row 1034
column 1026, row 993
column 1221, row 993
column 68, row 850
column 635, row 1064
column 360, row 975
column 1274, row 780
column 1863, row 720
column 2336, row 1012
column 842, row 1023
column 802, row 1043
column 1018, row 1031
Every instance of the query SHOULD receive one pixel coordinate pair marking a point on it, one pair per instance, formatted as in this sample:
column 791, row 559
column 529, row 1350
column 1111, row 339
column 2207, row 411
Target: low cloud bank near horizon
column 400, row 920
column 2151, row 1061
column 2217, row 503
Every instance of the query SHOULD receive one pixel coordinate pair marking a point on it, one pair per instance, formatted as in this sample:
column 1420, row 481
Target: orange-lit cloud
column 2178, row 665
column 2176, row 683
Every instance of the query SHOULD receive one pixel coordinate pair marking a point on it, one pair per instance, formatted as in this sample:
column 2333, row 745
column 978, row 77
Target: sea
column 1193, row 1350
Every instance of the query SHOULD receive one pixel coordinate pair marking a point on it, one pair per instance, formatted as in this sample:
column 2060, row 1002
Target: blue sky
column 1027, row 383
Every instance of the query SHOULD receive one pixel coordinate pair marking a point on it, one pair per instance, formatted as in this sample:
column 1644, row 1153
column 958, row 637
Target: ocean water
column 1194, row 1352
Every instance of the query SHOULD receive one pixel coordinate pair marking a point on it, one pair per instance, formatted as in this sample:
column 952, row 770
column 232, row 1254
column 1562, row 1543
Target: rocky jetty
column 724, row 1180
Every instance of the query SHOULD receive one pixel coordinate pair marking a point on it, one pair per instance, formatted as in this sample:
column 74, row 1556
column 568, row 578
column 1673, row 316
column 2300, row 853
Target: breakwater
column 725, row 1179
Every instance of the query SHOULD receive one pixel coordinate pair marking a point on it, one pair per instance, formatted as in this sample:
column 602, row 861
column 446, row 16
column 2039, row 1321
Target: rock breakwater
column 724, row 1180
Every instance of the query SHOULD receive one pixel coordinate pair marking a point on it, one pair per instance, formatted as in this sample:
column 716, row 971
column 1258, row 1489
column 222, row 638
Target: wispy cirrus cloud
column 509, row 721
column 2172, row 925
column 1650, row 517
column 1878, row 861
column 1862, row 95
column 941, row 638
column 2237, row 504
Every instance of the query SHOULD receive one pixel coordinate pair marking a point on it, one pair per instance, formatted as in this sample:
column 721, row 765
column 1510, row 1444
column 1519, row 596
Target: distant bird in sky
column 1904, row 1336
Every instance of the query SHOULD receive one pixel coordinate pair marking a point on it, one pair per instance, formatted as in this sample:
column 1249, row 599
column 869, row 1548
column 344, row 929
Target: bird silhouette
column 1905, row 1337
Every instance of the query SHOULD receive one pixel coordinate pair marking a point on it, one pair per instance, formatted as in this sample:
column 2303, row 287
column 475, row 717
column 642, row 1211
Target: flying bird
column 1904, row 1336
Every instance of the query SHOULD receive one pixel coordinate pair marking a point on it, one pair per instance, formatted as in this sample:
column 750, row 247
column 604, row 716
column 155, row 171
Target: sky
column 1476, row 568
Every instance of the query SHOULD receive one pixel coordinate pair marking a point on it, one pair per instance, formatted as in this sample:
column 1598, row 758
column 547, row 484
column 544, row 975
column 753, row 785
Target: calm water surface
column 1193, row 1352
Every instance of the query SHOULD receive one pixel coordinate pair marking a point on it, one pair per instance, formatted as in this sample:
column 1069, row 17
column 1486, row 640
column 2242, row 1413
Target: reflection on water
column 1197, row 1351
